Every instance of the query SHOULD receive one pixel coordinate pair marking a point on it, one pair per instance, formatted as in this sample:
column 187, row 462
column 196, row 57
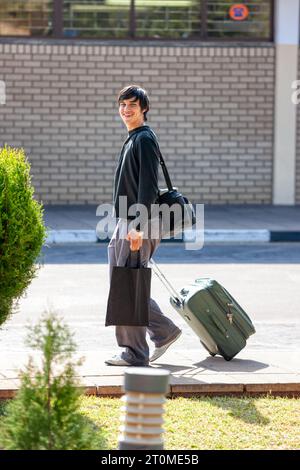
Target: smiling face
column 131, row 113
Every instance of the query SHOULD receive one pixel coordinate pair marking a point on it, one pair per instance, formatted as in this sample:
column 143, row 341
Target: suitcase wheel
column 227, row 358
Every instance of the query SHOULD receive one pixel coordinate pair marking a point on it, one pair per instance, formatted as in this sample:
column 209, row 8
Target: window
column 26, row 17
column 138, row 19
column 96, row 18
column 256, row 24
column 175, row 19
column 151, row 19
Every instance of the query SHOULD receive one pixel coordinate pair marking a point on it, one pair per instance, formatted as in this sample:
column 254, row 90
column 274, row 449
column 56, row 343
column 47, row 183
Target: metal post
column 204, row 14
column 132, row 20
column 58, row 18
column 145, row 390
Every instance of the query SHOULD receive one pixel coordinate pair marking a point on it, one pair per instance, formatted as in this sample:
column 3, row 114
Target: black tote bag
column 129, row 295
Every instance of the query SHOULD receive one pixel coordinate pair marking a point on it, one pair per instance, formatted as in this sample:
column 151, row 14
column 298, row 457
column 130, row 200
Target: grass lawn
column 209, row 423
column 212, row 423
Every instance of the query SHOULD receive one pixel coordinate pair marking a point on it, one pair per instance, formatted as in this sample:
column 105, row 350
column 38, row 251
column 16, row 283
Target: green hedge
column 22, row 230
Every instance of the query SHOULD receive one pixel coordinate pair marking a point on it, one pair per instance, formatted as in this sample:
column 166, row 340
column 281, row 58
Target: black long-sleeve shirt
column 136, row 174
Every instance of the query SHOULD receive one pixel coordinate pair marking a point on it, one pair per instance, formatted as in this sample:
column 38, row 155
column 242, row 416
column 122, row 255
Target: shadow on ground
column 217, row 364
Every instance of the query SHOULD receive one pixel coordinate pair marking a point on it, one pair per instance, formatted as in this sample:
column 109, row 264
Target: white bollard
column 145, row 389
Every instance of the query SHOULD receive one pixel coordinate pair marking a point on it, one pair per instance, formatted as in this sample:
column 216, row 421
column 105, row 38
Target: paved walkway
column 192, row 373
column 240, row 223
column 216, row 217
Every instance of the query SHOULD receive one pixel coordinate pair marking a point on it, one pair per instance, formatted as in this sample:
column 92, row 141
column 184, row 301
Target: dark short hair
column 135, row 91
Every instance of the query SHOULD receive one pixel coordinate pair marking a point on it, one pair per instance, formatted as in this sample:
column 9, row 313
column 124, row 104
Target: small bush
column 45, row 413
column 22, row 231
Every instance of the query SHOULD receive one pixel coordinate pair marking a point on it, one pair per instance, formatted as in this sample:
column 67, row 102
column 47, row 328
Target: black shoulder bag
column 183, row 215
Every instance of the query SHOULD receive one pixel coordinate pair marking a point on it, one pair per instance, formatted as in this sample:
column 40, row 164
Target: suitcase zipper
column 229, row 315
column 232, row 319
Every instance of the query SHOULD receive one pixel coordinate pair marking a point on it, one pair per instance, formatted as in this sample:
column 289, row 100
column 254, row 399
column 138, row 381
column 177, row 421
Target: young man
column 136, row 178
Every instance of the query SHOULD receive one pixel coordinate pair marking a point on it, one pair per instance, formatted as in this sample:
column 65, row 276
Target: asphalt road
column 73, row 281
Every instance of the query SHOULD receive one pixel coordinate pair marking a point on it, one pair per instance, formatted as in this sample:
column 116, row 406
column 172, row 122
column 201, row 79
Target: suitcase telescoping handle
column 174, row 294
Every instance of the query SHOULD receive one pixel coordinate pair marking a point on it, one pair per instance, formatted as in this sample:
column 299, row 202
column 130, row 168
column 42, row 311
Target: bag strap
column 165, row 172
column 134, row 259
column 163, row 166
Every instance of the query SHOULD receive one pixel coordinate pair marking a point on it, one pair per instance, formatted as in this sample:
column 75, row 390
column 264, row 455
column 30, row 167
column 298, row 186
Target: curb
column 210, row 236
column 285, row 236
column 72, row 236
column 186, row 390
column 228, row 235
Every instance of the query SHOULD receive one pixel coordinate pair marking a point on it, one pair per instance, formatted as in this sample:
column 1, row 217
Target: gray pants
column 161, row 329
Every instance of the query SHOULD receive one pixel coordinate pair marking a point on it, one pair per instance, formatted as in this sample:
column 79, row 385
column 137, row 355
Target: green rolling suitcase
column 212, row 313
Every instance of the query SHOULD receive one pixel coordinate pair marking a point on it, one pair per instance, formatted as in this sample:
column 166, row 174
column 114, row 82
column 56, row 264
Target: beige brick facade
column 212, row 108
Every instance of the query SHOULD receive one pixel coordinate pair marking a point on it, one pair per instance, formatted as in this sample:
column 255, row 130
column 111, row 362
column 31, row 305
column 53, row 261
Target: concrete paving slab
column 209, row 376
column 227, row 223
column 236, row 216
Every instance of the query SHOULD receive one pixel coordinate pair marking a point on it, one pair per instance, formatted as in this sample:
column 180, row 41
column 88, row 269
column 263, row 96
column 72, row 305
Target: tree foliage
column 45, row 413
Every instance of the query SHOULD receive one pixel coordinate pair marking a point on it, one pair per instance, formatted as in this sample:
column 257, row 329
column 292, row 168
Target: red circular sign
column 239, row 12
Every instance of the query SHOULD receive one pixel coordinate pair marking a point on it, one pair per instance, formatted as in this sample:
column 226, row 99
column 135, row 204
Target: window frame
column 57, row 30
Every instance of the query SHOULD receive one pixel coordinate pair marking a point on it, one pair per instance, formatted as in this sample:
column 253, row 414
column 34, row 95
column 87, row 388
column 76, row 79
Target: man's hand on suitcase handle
column 135, row 238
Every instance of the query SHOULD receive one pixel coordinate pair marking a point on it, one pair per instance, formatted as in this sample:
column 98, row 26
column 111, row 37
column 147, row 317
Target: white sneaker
column 158, row 352
column 117, row 361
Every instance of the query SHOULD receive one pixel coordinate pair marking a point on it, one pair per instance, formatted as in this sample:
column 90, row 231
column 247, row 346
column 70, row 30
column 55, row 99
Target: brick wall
column 212, row 108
